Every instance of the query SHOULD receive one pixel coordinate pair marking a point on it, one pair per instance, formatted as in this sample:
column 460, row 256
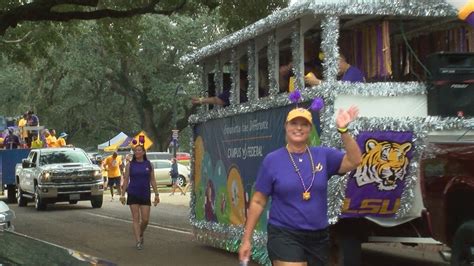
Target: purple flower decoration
column 295, row 96
column 134, row 142
column 317, row 104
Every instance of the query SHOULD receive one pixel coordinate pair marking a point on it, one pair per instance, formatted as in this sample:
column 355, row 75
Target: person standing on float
column 296, row 178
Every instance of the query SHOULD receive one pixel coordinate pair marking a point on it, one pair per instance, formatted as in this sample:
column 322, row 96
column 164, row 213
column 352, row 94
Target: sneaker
column 139, row 245
column 112, row 199
column 142, row 240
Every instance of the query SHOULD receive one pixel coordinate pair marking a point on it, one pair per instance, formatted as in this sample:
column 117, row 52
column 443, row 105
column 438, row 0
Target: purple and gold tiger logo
column 383, row 163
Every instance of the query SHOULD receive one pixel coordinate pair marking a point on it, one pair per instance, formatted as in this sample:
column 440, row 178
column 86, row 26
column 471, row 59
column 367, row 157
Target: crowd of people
column 313, row 77
column 28, row 134
column 114, row 167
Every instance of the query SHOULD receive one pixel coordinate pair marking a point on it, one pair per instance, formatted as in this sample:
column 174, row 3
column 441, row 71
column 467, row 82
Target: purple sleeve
column 333, row 160
column 353, row 74
column 224, row 96
column 35, row 120
column 264, row 183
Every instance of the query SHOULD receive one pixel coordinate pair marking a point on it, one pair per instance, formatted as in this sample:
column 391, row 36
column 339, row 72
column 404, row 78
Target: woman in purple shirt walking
column 136, row 181
column 296, row 177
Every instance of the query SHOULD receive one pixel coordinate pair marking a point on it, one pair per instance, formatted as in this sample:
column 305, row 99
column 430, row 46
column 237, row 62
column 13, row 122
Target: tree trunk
column 148, row 123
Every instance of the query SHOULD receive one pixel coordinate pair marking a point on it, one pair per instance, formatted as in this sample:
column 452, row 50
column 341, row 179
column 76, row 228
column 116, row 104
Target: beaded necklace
column 306, row 193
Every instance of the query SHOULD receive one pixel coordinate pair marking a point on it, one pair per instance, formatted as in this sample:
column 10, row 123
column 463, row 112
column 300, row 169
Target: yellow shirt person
column 23, row 132
column 61, row 141
column 113, row 164
column 36, row 143
column 51, row 141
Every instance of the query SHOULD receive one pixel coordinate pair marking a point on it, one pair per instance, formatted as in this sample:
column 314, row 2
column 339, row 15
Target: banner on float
column 228, row 153
column 376, row 186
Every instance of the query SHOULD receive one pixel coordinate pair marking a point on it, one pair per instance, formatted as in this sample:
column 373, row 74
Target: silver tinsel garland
column 428, row 8
column 218, row 77
column 252, row 70
column 205, row 84
column 235, row 78
column 272, row 53
column 330, row 48
column 297, row 58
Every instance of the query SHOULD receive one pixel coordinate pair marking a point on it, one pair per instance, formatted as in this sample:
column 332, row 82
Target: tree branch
column 18, row 40
column 43, row 11
column 52, row 3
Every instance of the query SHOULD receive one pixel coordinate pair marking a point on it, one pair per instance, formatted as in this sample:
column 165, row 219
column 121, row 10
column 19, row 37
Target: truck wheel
column 462, row 252
column 39, row 202
column 22, row 201
column 96, row 202
column 11, row 191
column 181, row 181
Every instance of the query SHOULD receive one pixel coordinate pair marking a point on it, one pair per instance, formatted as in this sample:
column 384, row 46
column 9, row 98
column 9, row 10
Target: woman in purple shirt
column 136, row 181
column 296, row 177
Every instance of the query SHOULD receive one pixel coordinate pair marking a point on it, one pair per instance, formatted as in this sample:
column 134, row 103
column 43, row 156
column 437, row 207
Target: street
column 107, row 233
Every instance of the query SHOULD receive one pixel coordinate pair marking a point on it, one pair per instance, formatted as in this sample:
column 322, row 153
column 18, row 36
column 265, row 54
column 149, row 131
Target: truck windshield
column 69, row 156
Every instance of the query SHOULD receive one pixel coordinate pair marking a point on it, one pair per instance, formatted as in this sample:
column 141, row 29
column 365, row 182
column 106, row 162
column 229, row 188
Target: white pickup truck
column 58, row 175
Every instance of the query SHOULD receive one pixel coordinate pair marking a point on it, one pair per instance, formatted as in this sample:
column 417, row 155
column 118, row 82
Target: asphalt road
column 107, row 233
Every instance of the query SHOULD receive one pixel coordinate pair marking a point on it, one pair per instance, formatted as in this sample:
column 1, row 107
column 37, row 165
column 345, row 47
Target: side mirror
column 25, row 163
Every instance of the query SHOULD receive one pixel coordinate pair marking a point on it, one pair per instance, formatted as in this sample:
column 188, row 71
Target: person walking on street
column 137, row 179
column 296, row 178
column 174, row 177
column 113, row 164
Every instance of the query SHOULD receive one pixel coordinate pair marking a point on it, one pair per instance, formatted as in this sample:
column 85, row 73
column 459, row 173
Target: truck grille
column 72, row 177
column 74, row 189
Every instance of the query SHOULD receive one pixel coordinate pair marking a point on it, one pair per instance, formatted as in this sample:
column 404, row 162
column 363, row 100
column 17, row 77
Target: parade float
column 417, row 59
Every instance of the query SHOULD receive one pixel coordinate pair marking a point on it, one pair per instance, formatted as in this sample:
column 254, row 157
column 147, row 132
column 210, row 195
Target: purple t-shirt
column 139, row 181
column 353, row 74
column 277, row 178
column 11, row 142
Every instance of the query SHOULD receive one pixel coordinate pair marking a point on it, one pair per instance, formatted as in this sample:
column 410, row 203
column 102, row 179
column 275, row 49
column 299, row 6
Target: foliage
column 241, row 13
column 95, row 78
column 11, row 77
column 15, row 12
column 109, row 76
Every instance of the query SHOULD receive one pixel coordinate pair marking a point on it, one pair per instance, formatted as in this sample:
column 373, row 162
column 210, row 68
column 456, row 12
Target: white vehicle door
column 28, row 174
column 162, row 172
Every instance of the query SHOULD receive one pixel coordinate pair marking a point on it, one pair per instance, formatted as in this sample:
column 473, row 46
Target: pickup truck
column 447, row 178
column 58, row 175
column 447, row 193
